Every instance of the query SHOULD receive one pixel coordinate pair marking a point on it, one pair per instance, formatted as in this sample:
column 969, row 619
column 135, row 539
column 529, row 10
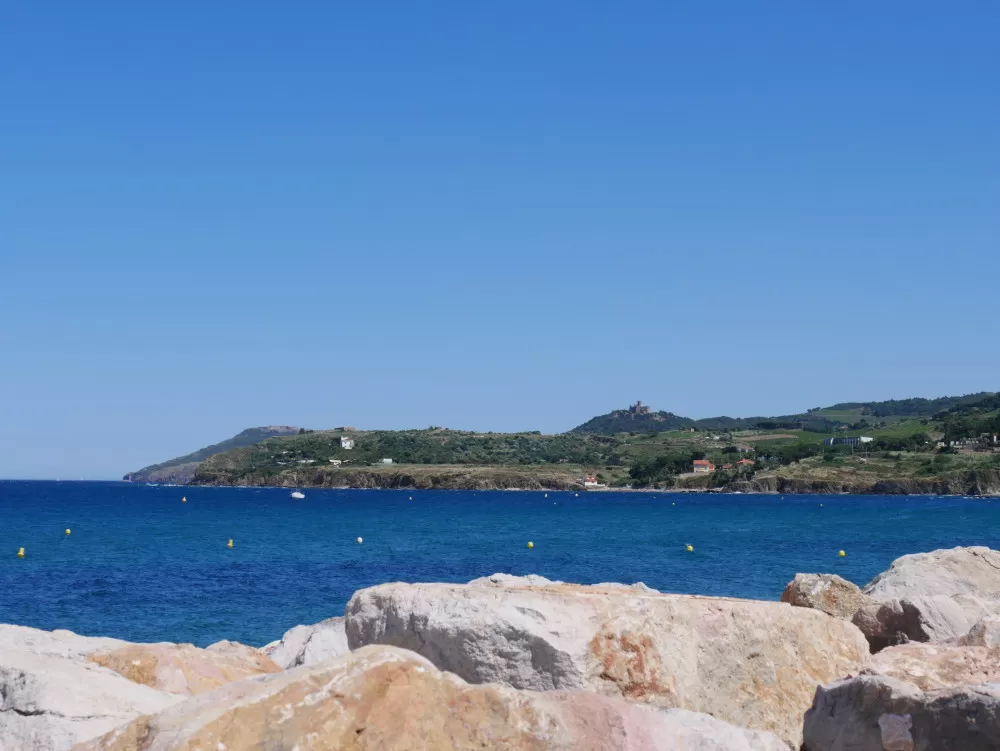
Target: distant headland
column 947, row 446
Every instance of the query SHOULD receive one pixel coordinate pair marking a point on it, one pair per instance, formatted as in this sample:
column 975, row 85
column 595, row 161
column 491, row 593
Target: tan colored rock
column 827, row 592
column 754, row 664
column 392, row 700
column 184, row 668
column 934, row 666
column 956, row 571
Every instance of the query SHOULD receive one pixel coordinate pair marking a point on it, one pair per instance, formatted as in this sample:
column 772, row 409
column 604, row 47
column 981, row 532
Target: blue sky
column 483, row 215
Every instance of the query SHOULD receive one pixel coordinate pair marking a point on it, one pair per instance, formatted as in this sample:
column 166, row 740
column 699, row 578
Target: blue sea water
column 142, row 566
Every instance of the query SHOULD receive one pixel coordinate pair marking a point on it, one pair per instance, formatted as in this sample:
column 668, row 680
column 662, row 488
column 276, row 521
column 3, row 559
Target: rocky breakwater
column 753, row 664
column 58, row 688
column 391, row 699
column 913, row 697
column 934, row 684
column 937, row 597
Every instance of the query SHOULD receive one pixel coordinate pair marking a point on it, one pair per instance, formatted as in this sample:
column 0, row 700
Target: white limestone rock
column 956, row 571
column 309, row 645
column 51, row 702
column 753, row 664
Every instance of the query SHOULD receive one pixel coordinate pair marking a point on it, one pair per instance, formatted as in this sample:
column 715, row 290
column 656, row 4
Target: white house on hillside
column 346, row 443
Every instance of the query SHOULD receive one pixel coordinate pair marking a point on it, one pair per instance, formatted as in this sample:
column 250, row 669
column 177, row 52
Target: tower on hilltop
column 639, row 409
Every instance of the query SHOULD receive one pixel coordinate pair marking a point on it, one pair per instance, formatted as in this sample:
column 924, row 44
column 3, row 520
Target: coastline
column 727, row 490
column 826, row 657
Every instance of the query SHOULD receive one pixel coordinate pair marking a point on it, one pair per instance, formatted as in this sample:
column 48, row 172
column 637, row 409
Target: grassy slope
column 444, row 455
column 847, row 412
column 186, row 465
column 273, row 460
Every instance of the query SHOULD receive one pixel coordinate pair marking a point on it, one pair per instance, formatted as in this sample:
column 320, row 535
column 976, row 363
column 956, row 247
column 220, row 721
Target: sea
column 140, row 564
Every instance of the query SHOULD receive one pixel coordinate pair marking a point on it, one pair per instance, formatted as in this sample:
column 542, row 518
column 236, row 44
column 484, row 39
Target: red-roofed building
column 703, row 466
column 745, row 461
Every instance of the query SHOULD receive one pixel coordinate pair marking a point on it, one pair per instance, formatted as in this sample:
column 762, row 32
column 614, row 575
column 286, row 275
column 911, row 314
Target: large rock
column 309, row 645
column 827, row 592
column 58, row 688
column 930, row 618
column 754, row 664
column 392, row 700
column 958, row 571
column 914, row 697
column 931, row 597
column 879, row 713
column 934, row 666
column 984, row 633
column 184, row 668
column 58, row 643
column 49, row 702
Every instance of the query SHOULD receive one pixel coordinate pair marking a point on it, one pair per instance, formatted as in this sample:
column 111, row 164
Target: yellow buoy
column 184, row 499
column 67, row 531
column 690, row 548
column 842, row 554
column 360, row 541
column 229, row 544
column 20, row 552
column 531, row 544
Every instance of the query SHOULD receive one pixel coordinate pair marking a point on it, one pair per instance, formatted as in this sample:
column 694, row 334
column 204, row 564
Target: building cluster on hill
column 987, row 442
column 855, row 440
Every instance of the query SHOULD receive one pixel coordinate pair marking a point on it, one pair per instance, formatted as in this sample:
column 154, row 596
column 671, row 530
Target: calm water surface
column 141, row 565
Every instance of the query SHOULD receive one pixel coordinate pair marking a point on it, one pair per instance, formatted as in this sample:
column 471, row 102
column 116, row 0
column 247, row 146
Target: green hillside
column 434, row 446
column 629, row 421
column 945, row 444
column 819, row 419
column 181, row 469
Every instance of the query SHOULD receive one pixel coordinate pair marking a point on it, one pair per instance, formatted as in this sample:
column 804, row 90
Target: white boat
column 298, row 495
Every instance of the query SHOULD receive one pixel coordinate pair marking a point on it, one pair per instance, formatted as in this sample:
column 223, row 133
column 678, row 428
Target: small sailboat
column 298, row 495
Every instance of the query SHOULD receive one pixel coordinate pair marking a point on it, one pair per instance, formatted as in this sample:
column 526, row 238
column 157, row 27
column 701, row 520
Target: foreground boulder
column 933, row 597
column 309, row 645
column 879, row 713
column 58, row 643
column 827, row 592
column 957, row 571
column 753, row 664
column 50, row 702
column 984, row 633
column 931, row 618
column 58, row 688
column 913, row 697
column 184, row 668
column 934, row 666
column 386, row 698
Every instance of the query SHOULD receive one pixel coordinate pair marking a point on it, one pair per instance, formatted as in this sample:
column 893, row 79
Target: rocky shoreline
column 909, row 663
column 985, row 483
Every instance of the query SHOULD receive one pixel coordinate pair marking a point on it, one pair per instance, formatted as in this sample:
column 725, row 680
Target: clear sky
column 485, row 215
